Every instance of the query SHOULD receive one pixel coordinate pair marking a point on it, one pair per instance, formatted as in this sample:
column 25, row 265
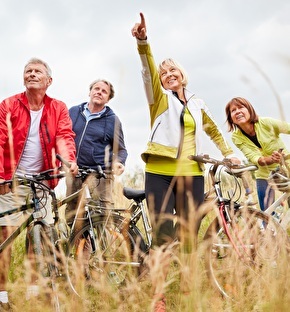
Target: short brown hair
column 112, row 91
column 243, row 102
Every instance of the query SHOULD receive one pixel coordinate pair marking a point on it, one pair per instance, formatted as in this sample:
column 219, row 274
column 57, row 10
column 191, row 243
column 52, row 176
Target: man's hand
column 118, row 168
column 74, row 168
column 4, row 188
column 139, row 29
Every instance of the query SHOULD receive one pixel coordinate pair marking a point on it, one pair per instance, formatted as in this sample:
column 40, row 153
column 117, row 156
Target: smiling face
column 240, row 114
column 172, row 75
column 36, row 77
column 171, row 78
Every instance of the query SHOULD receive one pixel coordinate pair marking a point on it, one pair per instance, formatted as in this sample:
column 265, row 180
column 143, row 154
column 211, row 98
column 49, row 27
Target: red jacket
column 56, row 135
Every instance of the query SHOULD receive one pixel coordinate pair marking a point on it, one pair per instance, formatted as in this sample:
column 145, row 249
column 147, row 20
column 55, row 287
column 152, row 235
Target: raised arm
column 139, row 30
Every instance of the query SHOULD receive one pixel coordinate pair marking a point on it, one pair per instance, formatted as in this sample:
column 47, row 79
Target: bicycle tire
column 263, row 252
column 42, row 238
column 113, row 258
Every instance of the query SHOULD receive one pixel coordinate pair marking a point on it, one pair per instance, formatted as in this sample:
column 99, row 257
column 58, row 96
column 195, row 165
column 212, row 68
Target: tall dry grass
column 187, row 285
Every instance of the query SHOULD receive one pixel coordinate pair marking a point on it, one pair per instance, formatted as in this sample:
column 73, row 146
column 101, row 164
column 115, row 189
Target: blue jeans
column 266, row 194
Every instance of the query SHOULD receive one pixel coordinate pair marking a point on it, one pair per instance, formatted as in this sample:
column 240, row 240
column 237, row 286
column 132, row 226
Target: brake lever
column 101, row 172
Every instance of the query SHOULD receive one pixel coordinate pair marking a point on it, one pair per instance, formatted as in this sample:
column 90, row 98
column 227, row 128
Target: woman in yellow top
column 177, row 120
column 259, row 140
column 173, row 183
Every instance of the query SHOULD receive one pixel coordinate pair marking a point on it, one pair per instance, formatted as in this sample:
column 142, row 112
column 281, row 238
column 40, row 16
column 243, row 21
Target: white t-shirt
column 32, row 158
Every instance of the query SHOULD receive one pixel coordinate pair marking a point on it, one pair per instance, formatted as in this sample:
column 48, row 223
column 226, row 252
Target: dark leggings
column 169, row 196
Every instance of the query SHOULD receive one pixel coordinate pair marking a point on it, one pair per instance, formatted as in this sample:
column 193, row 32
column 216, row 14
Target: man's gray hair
column 36, row 60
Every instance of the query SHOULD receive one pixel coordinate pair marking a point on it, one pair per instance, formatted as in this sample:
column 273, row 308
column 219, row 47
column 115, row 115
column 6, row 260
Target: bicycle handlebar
column 48, row 174
column 101, row 172
column 42, row 176
column 84, row 171
column 63, row 161
column 206, row 159
column 235, row 169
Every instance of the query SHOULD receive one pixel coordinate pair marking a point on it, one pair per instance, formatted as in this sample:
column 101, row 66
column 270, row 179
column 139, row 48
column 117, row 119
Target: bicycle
column 109, row 246
column 279, row 181
column 49, row 243
column 241, row 244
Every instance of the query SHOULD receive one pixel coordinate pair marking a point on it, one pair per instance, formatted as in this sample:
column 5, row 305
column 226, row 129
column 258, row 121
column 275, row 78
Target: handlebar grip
column 243, row 168
column 57, row 176
column 198, row 158
column 65, row 162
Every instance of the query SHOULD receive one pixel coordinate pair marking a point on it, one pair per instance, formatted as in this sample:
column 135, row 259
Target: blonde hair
column 170, row 62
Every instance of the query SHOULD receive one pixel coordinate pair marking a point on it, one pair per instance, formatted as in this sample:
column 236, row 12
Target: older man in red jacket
column 33, row 128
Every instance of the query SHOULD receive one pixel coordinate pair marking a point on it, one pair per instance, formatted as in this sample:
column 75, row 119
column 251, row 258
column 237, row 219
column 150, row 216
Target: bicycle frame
column 35, row 216
column 279, row 180
column 47, row 241
column 139, row 211
column 240, row 242
column 225, row 204
column 285, row 217
column 16, row 232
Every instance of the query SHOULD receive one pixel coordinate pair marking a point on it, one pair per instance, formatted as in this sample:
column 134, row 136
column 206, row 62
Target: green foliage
column 17, row 258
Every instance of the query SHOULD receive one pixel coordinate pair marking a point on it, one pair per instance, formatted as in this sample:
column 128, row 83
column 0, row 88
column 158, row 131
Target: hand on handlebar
column 204, row 158
column 74, row 168
column 4, row 188
column 235, row 160
column 118, row 168
column 277, row 156
column 232, row 163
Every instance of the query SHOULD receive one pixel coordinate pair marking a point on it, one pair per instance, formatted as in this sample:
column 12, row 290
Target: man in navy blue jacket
column 99, row 141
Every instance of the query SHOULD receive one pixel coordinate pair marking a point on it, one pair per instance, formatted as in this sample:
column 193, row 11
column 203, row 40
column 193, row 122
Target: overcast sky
column 228, row 48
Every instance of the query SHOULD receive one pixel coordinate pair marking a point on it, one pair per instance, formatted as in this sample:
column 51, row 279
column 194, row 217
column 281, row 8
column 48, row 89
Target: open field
column 269, row 293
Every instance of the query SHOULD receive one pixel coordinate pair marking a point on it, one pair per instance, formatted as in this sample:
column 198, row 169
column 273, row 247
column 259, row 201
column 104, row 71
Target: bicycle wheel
column 110, row 251
column 258, row 253
column 42, row 239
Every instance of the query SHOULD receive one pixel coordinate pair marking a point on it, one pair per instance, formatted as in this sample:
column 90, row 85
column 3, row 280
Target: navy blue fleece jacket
column 99, row 141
